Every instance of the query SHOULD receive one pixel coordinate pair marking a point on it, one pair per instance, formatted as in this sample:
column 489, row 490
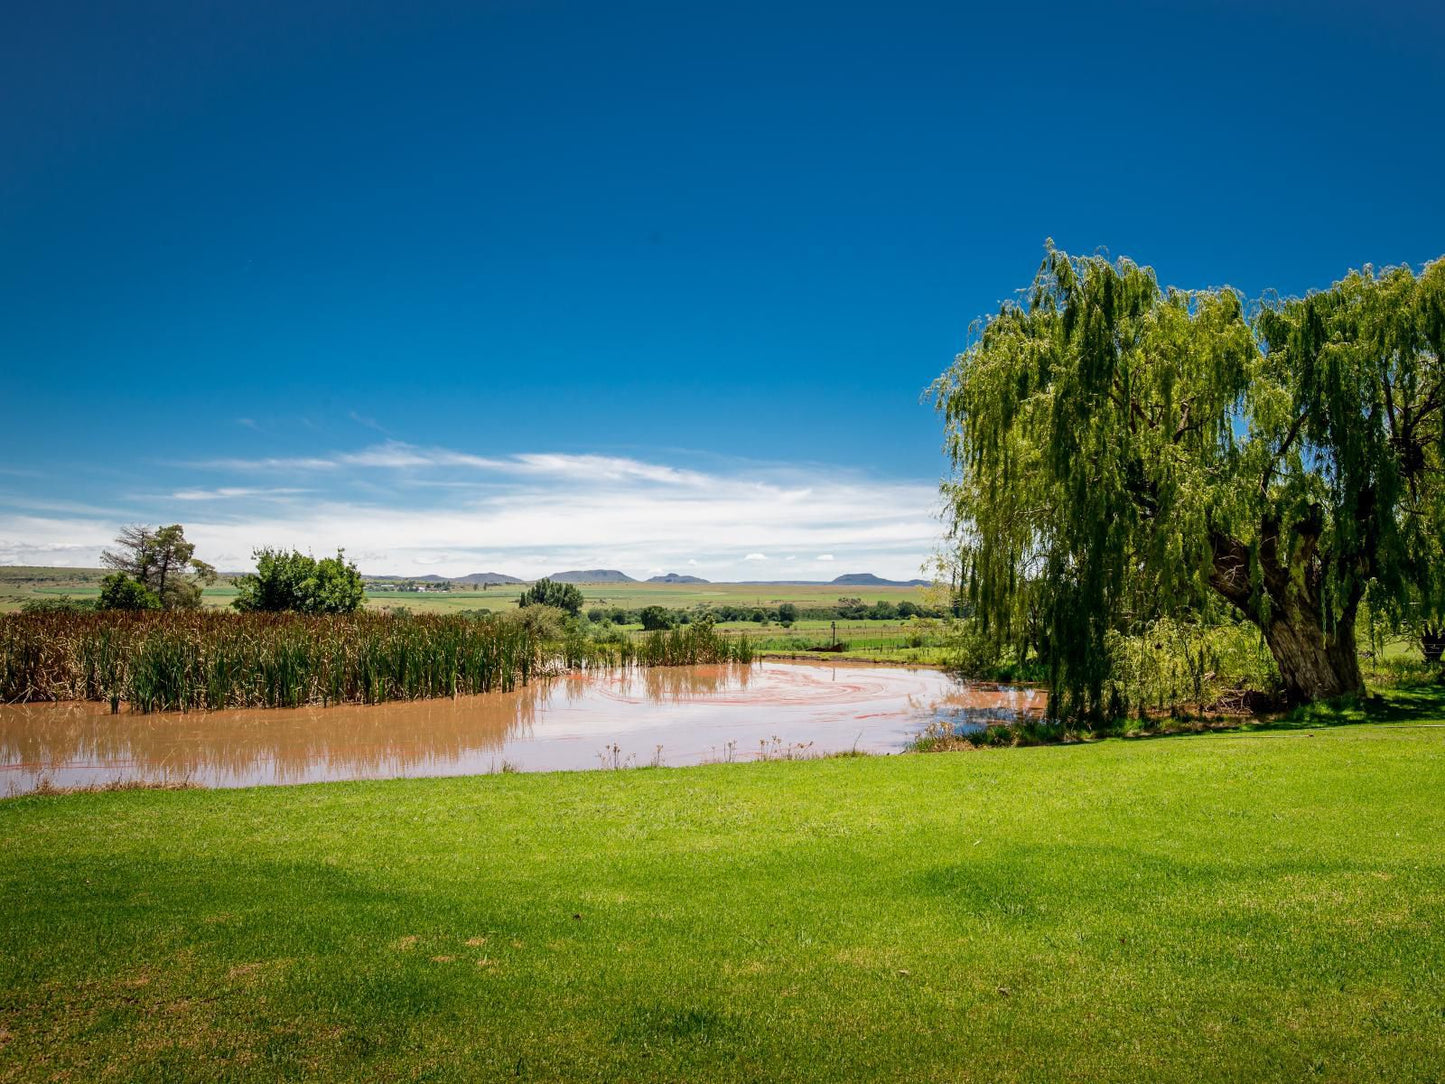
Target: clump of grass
column 942, row 736
column 47, row 788
column 778, row 749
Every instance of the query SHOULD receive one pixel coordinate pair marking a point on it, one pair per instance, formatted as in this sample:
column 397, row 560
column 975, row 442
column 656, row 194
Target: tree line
column 157, row 569
column 787, row 613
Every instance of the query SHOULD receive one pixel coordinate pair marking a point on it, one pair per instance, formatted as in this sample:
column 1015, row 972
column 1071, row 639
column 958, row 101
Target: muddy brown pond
column 635, row 717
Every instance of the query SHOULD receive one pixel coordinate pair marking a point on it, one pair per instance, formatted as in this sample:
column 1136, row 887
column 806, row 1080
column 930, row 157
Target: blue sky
column 527, row 285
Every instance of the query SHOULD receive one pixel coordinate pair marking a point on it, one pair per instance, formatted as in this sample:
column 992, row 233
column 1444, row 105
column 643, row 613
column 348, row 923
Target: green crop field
column 1260, row 905
column 19, row 584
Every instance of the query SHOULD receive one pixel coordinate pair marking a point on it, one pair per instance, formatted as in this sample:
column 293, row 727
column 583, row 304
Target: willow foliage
column 1125, row 452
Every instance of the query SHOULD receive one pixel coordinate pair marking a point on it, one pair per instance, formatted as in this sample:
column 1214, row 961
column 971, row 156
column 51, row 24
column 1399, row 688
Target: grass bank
column 1223, row 906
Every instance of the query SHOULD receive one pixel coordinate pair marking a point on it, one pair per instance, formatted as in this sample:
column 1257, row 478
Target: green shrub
column 296, row 582
column 119, row 592
column 545, row 592
column 656, row 618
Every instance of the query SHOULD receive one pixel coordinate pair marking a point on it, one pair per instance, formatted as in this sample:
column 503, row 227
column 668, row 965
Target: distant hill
column 592, row 575
column 487, row 577
column 432, row 577
column 851, row 579
column 867, row 579
column 673, row 577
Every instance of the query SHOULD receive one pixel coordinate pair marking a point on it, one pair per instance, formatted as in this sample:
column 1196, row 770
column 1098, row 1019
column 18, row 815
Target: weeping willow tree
column 1124, row 452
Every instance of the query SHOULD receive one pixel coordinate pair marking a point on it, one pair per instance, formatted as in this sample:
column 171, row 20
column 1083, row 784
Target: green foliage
column 63, row 604
column 1173, row 663
column 119, row 592
column 787, row 613
column 296, row 582
column 654, row 618
column 1124, row 452
column 973, row 653
column 164, row 562
column 185, row 661
column 698, row 643
column 542, row 622
column 564, row 596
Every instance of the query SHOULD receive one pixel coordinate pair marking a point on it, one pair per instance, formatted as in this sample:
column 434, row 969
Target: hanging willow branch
column 1125, row 452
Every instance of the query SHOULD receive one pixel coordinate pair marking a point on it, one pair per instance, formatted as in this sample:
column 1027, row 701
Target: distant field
column 19, row 584
column 876, row 641
column 632, row 596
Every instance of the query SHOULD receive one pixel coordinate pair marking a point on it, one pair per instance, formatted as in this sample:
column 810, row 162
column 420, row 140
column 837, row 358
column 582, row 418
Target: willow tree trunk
column 1317, row 658
column 1314, row 663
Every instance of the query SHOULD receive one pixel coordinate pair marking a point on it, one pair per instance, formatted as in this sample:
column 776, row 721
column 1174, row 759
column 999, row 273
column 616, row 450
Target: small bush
column 656, row 618
column 119, row 592
column 563, row 596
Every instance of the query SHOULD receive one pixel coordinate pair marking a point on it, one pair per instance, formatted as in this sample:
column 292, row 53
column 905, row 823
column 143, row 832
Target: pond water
column 635, row 717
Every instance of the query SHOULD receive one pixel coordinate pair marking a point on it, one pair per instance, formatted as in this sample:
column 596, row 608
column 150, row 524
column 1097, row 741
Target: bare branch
column 1289, row 439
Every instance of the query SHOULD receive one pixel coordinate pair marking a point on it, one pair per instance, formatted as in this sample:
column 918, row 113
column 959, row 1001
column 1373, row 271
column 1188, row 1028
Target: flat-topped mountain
column 867, row 579
column 592, row 575
column 850, row 579
column 674, row 577
column 487, row 577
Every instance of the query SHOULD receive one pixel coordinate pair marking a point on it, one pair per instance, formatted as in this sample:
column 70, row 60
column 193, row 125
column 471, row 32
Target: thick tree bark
column 1315, row 662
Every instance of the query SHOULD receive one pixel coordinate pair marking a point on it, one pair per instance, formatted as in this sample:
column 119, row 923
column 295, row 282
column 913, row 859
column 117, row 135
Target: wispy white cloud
column 396, row 455
column 59, row 504
column 369, row 423
column 278, row 463
column 400, row 508
column 228, row 493
column 606, row 468
column 399, row 455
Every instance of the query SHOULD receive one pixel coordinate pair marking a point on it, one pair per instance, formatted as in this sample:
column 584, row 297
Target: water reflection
column 693, row 713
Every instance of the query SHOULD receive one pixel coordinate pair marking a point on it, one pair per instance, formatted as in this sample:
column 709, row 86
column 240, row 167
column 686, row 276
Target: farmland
column 21, row 584
column 892, row 641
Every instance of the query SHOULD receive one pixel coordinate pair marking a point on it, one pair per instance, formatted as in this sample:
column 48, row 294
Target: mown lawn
column 1248, row 906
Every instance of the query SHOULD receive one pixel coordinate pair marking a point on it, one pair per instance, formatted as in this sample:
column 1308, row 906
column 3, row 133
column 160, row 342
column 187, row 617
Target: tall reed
column 169, row 661
column 691, row 645
column 184, row 661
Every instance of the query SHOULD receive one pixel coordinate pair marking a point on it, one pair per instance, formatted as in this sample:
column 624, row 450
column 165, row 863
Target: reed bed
column 696, row 644
column 189, row 661
column 184, row 661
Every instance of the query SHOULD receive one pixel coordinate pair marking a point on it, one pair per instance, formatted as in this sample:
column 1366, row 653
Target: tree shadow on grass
column 1413, row 704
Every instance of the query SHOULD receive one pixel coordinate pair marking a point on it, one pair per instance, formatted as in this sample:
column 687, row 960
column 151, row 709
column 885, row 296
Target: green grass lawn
column 1247, row 906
